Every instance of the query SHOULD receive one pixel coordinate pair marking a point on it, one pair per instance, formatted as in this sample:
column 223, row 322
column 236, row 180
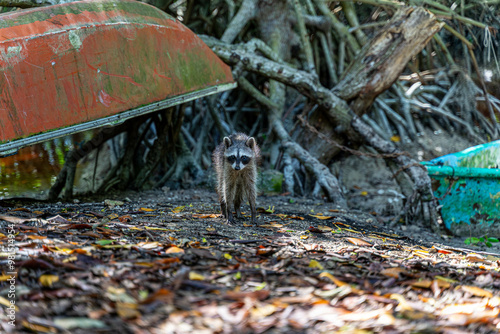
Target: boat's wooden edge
column 11, row 147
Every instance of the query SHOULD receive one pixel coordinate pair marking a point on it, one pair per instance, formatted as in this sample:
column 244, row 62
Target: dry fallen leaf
column 256, row 295
column 127, row 310
column 403, row 304
column 259, row 312
column 125, row 218
column 36, row 237
column 427, row 283
column 148, row 244
column 178, row 209
column 195, row 276
column 358, row 242
column 473, row 257
column 465, row 308
column 396, row 139
column 21, row 209
column 162, row 295
column 494, row 302
column 4, row 278
column 174, row 249
column 48, row 280
column 474, row 290
column 321, row 217
column 315, row 264
column 394, row 272
column 205, row 215
column 5, row 302
column 388, row 318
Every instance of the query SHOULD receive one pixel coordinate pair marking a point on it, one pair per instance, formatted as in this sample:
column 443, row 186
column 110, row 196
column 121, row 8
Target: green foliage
column 483, row 240
column 270, row 209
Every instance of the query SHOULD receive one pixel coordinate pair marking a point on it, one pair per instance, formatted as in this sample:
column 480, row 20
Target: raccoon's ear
column 227, row 142
column 250, row 142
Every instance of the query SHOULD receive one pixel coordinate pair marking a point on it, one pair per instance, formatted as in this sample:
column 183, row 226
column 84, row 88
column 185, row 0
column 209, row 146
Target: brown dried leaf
column 473, row 257
column 127, row 310
column 403, row 304
column 162, row 296
column 77, row 227
column 358, row 242
column 319, row 216
column 125, row 218
column 474, row 290
column 394, row 272
column 14, row 220
column 256, row 295
column 427, row 283
column 147, row 209
column 174, row 249
column 21, row 209
column 36, row 237
column 205, row 215
column 380, row 314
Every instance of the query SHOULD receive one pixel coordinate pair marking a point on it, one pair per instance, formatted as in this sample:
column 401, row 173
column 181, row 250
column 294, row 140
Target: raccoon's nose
column 237, row 167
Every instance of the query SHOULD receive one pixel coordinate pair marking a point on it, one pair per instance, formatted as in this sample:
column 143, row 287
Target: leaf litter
column 167, row 263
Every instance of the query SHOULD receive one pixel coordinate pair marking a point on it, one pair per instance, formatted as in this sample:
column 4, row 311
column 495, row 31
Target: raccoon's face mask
column 239, row 153
column 238, row 162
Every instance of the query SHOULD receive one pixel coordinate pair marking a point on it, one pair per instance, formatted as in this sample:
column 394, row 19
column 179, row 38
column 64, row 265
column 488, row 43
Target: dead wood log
column 374, row 70
column 382, row 60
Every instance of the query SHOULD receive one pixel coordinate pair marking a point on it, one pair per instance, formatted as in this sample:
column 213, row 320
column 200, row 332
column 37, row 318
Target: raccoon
column 235, row 161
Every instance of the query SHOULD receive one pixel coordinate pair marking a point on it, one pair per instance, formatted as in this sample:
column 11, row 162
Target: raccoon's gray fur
column 235, row 162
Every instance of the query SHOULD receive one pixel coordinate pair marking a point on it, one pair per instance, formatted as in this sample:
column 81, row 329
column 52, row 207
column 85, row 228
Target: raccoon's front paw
column 230, row 218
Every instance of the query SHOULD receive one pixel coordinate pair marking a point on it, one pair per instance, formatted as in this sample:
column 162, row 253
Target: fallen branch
column 306, row 83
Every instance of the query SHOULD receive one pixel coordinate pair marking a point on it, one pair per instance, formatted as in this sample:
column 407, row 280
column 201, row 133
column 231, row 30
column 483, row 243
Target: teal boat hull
column 467, row 186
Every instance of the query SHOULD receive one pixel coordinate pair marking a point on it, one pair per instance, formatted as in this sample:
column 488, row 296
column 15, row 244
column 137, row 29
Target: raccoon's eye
column 231, row 158
column 245, row 159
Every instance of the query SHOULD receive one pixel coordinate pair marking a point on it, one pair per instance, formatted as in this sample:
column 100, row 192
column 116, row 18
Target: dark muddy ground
column 202, row 201
column 205, row 201
column 165, row 262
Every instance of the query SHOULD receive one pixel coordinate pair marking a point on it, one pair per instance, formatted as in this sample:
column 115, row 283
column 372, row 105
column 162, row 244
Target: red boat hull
column 77, row 62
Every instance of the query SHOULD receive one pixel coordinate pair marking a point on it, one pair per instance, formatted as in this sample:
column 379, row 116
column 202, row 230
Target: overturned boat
column 82, row 65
